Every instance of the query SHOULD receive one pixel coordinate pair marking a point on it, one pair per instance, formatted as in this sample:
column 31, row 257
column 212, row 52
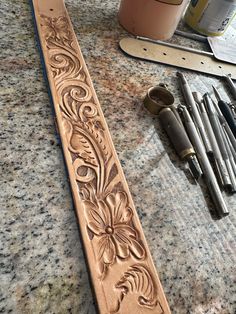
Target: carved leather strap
column 120, row 264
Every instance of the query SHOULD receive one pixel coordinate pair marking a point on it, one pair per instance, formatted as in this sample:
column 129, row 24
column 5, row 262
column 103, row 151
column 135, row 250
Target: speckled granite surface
column 42, row 267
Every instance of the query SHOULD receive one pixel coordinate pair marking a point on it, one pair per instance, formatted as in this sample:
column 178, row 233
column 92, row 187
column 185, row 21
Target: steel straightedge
column 120, row 265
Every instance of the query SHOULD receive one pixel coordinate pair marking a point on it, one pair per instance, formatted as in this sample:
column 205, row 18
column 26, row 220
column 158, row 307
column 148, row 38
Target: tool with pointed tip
column 231, row 85
column 226, row 127
column 221, row 208
column 226, row 111
column 233, row 152
column 191, row 104
column 218, row 134
column 231, row 160
column 219, row 164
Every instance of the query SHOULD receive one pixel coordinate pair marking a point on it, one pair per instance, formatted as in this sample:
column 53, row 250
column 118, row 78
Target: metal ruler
column 162, row 53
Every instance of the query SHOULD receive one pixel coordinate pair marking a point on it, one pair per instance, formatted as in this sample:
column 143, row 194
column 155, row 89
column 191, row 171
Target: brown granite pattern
column 42, row 264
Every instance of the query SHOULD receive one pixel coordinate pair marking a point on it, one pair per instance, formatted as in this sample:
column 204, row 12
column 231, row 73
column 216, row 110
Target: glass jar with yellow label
column 210, row 17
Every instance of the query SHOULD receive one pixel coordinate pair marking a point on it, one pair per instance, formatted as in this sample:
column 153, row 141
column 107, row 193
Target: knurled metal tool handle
column 176, row 133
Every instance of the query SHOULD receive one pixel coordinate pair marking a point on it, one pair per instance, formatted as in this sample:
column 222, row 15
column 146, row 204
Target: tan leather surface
column 176, row 57
column 122, row 271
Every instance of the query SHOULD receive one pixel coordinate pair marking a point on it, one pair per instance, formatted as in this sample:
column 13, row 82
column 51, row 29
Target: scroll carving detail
column 106, row 204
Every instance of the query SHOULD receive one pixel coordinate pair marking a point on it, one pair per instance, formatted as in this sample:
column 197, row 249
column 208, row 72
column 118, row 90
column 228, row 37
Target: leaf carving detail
column 138, row 280
column 80, row 144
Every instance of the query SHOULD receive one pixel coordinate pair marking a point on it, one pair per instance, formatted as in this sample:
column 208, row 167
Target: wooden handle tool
column 180, row 140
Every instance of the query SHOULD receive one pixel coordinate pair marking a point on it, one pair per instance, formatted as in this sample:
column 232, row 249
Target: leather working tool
column 159, row 101
column 198, row 144
column 184, row 48
column 218, row 134
column 220, row 206
column 191, row 104
column 229, row 141
column 232, row 169
column 122, row 272
column 225, row 126
column 226, row 111
column 231, row 85
column 216, row 158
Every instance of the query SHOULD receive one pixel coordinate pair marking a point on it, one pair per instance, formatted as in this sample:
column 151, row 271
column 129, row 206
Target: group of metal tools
column 203, row 133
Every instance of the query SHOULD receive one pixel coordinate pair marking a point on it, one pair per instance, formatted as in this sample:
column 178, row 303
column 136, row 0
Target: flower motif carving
column 56, row 29
column 111, row 221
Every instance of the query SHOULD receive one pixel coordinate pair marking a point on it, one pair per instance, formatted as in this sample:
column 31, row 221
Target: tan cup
column 151, row 18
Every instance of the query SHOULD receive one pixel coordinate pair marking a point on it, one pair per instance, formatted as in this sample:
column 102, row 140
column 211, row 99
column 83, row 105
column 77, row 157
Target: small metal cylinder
column 158, row 98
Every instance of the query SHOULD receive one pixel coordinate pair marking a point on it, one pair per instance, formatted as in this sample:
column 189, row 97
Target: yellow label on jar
column 210, row 17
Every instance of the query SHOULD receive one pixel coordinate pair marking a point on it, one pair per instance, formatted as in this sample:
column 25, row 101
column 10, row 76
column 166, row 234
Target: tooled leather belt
column 120, row 265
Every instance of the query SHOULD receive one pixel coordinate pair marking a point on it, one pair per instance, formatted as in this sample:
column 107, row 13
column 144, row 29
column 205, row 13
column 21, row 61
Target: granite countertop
column 42, row 266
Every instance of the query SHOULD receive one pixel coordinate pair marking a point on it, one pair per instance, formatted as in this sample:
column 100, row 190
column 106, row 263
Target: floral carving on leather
column 56, row 29
column 107, row 210
column 110, row 220
column 138, row 280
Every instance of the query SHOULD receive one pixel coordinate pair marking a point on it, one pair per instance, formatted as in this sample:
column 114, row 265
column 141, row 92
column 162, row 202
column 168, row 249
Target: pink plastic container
column 151, row 18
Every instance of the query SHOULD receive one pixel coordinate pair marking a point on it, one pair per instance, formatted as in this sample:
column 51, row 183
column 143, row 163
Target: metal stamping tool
column 219, row 165
column 159, row 101
column 226, row 111
column 225, row 125
column 191, row 104
column 232, row 163
column 221, row 208
column 217, row 131
column 231, row 85
column 233, row 152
